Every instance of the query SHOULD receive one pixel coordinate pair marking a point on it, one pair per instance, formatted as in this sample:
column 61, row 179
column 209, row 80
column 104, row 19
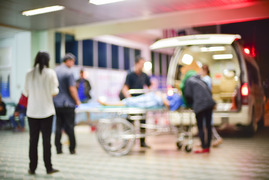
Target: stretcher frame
column 117, row 135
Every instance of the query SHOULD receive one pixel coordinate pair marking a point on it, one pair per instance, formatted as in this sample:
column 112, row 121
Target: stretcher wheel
column 179, row 145
column 116, row 136
column 188, row 148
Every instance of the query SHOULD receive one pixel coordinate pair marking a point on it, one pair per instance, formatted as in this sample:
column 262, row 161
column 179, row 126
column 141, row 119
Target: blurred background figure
column 18, row 118
column 3, row 110
column 84, row 93
column 41, row 85
column 205, row 75
column 83, row 87
column 65, row 103
column 137, row 79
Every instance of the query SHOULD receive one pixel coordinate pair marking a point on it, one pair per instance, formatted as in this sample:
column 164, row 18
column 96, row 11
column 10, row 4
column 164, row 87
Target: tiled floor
column 236, row 158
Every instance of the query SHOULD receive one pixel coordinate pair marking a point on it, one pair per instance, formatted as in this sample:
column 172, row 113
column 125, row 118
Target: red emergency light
column 244, row 93
column 250, row 51
column 247, row 51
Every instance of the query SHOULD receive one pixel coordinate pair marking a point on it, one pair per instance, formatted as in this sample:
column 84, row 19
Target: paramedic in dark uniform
column 137, row 79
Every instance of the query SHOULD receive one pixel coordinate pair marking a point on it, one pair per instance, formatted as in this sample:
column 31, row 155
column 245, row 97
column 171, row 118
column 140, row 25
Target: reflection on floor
column 236, row 158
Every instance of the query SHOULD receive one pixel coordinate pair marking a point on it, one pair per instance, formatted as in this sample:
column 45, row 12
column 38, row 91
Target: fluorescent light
column 202, row 39
column 101, row 2
column 222, row 56
column 187, row 59
column 212, row 49
column 42, row 10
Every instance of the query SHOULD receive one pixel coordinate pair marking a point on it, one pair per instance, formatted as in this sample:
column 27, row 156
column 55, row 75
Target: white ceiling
column 129, row 19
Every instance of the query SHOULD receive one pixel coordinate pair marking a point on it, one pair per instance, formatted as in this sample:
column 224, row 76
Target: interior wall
column 20, row 56
column 43, row 41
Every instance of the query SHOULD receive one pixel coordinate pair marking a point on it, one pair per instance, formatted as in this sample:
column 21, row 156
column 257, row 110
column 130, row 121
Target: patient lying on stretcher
column 149, row 100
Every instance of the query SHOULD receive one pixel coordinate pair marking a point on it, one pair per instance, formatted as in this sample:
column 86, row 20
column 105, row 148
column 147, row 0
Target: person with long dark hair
column 41, row 84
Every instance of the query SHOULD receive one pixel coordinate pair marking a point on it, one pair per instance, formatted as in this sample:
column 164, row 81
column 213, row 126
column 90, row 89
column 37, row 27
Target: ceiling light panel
column 222, row 56
column 212, row 49
column 102, row 2
column 42, row 10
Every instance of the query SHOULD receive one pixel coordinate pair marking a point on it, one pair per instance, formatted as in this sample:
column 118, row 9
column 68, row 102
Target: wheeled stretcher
column 117, row 135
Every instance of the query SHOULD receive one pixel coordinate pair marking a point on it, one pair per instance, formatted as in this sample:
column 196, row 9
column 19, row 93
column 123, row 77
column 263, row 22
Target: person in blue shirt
column 83, row 87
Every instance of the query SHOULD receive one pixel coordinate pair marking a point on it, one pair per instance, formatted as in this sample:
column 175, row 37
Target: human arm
column 26, row 89
column 89, row 87
column 125, row 91
column 74, row 94
column 120, row 103
column 54, row 84
column 72, row 88
column 166, row 103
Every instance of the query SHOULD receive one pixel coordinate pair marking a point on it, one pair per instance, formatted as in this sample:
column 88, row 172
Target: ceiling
column 131, row 18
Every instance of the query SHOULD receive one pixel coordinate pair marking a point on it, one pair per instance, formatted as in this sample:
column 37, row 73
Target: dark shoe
column 72, row 152
column 207, row 150
column 144, row 145
column 31, row 172
column 59, row 152
column 52, row 171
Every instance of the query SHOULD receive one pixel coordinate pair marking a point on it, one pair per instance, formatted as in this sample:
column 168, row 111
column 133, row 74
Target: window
column 115, row 57
column 71, row 46
column 87, row 52
column 137, row 52
column 58, row 38
column 102, row 55
column 126, row 59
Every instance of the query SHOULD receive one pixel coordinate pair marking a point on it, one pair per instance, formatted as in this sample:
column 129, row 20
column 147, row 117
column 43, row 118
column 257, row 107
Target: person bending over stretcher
column 149, row 100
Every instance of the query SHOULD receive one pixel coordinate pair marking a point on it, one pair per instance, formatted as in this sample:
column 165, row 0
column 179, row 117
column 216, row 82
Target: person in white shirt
column 41, row 84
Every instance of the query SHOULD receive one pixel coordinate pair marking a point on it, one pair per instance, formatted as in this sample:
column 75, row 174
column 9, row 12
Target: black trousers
column 206, row 116
column 65, row 120
column 36, row 126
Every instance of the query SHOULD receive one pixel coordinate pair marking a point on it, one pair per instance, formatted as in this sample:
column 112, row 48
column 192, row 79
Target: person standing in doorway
column 41, row 85
column 65, row 103
column 137, row 79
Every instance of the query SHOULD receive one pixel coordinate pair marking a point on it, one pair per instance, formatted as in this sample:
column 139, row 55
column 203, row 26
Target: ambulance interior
column 224, row 71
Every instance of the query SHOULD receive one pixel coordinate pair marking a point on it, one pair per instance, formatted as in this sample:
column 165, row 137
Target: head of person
column 69, row 60
column 82, row 73
column 139, row 64
column 42, row 60
column 205, row 70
